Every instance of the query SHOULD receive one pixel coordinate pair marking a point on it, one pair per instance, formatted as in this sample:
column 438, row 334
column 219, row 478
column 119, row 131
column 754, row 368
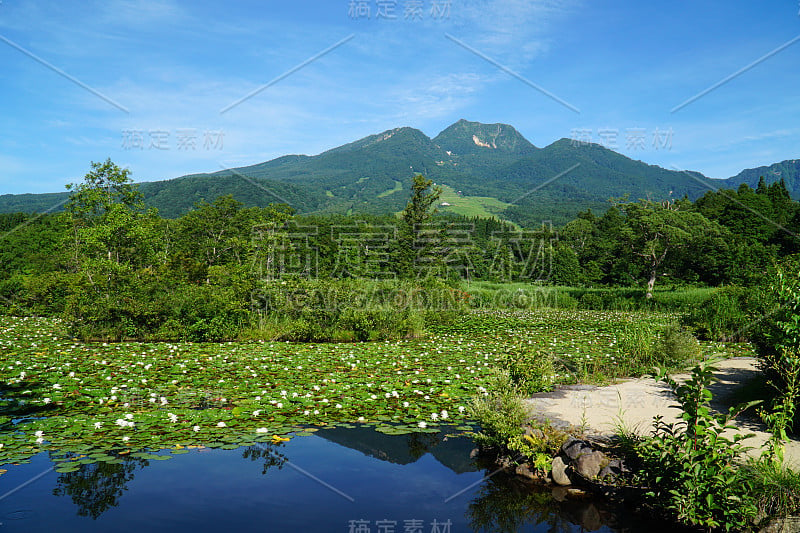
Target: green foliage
column 776, row 488
column 499, row 411
column 530, row 370
column 729, row 315
column 691, row 467
column 677, row 346
column 782, row 360
column 637, row 342
column 328, row 310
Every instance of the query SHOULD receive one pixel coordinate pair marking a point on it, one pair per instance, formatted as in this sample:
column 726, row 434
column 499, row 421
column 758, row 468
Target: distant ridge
column 525, row 184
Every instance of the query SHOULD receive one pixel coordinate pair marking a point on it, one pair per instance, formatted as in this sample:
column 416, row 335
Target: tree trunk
column 650, row 283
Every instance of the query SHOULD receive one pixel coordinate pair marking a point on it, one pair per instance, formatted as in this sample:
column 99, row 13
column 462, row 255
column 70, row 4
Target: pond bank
column 633, row 403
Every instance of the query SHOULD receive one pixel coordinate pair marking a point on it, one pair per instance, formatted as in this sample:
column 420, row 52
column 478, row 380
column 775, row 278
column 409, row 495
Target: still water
column 338, row 480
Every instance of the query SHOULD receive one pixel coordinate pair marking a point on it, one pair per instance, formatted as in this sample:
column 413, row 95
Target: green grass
column 470, row 206
column 398, row 186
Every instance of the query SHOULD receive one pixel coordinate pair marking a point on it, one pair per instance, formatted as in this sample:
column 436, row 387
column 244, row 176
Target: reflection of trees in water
column 421, row 443
column 96, row 487
column 505, row 504
column 266, row 451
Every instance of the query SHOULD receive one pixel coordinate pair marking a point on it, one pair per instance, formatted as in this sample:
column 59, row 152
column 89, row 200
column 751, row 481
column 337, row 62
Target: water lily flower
column 444, row 414
column 195, row 428
column 257, row 412
column 434, row 416
column 126, row 438
column 46, row 401
column 423, row 425
column 172, row 417
column 221, row 424
column 262, row 430
column 98, row 425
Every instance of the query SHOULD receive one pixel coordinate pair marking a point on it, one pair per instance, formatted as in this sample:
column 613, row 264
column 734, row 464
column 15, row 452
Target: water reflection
column 96, row 487
column 396, row 476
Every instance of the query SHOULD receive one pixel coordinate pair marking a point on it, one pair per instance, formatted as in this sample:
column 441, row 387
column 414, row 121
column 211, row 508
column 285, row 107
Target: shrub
column 729, row 315
column 677, row 346
column 691, row 468
column 531, row 371
column 499, row 411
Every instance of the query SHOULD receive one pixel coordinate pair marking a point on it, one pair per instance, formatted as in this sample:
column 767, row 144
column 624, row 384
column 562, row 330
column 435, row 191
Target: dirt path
column 635, row 402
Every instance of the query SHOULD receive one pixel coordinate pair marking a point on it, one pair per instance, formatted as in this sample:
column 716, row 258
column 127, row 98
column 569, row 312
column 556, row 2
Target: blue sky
column 144, row 82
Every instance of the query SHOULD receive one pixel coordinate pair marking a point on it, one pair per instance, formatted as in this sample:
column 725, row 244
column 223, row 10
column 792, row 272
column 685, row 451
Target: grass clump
column 500, row 412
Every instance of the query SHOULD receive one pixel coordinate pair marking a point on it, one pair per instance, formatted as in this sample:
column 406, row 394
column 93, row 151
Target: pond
column 337, row 480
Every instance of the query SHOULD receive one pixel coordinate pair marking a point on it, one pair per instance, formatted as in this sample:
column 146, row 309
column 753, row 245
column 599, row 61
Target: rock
column 574, row 448
column 558, row 470
column 536, row 433
column 577, row 494
column 790, row 524
column 589, row 465
column 560, row 493
column 613, row 471
column 524, row 471
column 590, row 519
column 474, row 453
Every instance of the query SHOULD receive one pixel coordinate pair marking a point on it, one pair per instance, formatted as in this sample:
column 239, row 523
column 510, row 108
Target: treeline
column 115, row 269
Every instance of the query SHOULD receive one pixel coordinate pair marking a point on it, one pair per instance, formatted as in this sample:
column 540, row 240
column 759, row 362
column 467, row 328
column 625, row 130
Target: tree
column 415, row 238
column 115, row 249
column 654, row 230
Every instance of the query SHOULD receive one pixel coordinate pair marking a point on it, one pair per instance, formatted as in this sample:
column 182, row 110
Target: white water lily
column 444, row 414
column 423, row 425
column 221, row 424
column 98, row 425
column 46, row 401
column 126, row 438
column 195, row 428
column 172, row 417
column 257, row 412
column 434, row 416
column 262, row 430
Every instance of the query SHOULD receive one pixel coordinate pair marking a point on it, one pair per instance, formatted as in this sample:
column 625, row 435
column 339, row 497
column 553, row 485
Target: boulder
column 574, row 448
column 613, row 470
column 524, row 471
column 589, row 465
column 558, row 471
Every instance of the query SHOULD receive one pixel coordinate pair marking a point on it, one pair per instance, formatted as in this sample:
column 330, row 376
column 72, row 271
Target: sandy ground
column 633, row 403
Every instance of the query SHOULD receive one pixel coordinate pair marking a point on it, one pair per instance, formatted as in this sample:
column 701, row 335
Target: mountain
column 473, row 138
column 788, row 170
column 485, row 169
